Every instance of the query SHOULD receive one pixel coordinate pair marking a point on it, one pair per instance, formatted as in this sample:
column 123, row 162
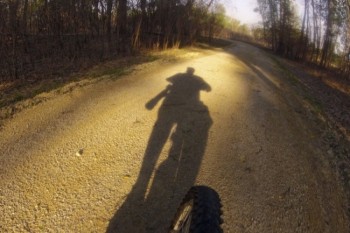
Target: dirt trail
column 114, row 156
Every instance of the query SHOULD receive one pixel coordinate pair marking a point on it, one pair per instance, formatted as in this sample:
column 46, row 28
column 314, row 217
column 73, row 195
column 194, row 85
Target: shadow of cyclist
column 184, row 119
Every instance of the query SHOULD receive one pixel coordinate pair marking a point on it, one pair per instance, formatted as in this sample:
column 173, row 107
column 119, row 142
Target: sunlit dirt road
column 118, row 156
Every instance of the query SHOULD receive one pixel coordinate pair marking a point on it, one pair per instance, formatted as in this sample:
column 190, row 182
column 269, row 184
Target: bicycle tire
column 199, row 212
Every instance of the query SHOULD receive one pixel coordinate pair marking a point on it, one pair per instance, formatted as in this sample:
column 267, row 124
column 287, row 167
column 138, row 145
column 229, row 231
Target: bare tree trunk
column 109, row 19
column 122, row 33
column 273, row 24
column 303, row 33
column 137, row 31
column 307, row 37
column 24, row 19
column 122, row 18
column 95, row 20
column 327, row 44
column 144, row 24
column 317, row 32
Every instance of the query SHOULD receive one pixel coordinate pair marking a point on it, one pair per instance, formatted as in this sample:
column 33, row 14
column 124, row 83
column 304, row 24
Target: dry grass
column 331, row 79
column 19, row 94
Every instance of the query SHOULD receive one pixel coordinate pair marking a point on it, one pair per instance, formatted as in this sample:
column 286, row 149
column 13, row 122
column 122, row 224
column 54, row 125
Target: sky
column 243, row 10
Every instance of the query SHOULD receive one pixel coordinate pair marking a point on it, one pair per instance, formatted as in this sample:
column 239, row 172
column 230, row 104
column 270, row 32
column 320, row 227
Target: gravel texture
column 119, row 155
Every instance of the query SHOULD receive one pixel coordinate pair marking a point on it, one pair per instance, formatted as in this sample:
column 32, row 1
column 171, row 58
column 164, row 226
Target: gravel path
column 118, row 156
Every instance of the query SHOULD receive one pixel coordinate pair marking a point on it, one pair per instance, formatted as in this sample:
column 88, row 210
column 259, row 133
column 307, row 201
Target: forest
column 59, row 34
column 322, row 38
column 41, row 36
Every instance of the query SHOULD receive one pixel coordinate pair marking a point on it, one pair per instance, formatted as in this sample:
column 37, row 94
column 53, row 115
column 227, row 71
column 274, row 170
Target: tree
column 66, row 33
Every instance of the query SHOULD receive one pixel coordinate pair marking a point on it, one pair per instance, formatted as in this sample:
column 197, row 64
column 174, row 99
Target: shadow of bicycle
column 185, row 120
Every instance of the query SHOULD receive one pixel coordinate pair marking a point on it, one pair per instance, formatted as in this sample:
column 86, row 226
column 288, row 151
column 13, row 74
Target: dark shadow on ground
column 253, row 63
column 185, row 120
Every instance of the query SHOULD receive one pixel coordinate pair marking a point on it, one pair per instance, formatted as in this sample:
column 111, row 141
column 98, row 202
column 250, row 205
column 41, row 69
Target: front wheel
column 199, row 212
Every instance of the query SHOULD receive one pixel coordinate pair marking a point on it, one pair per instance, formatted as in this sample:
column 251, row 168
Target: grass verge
column 19, row 94
column 302, row 89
